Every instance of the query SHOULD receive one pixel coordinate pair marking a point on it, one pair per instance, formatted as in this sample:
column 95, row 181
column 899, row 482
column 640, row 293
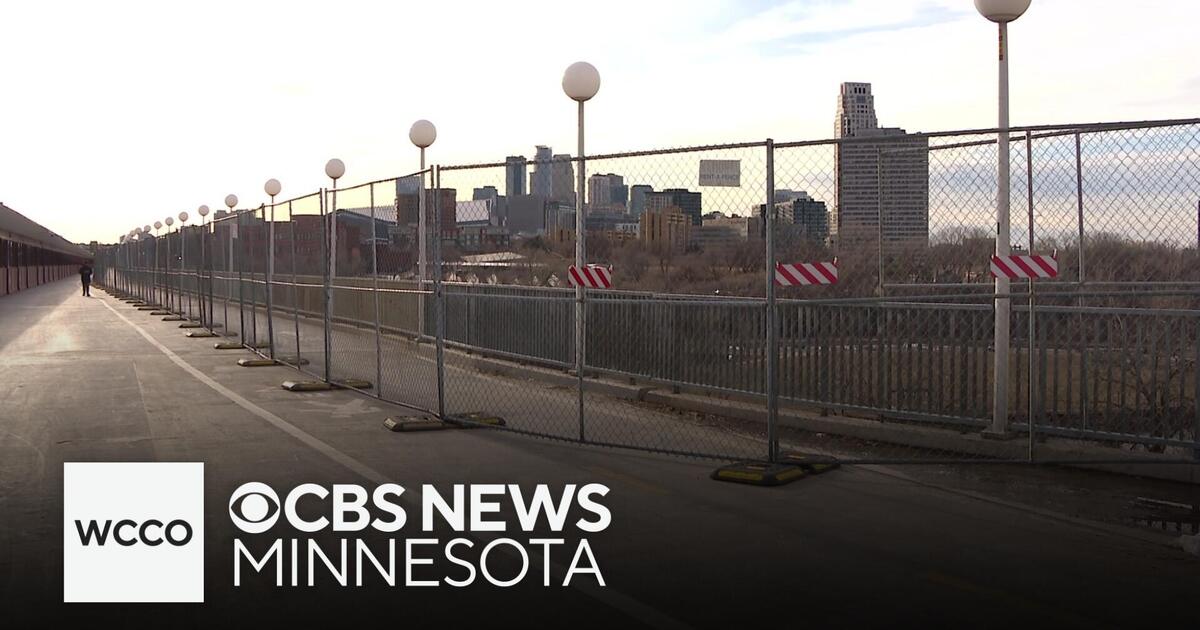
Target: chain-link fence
column 829, row 297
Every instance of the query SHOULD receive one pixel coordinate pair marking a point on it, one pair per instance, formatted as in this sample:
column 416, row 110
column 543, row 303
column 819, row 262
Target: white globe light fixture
column 158, row 225
column 272, row 187
column 334, row 169
column 1002, row 12
column 231, row 201
column 169, row 221
column 202, row 211
column 145, row 229
column 422, row 133
column 581, row 81
column 183, row 217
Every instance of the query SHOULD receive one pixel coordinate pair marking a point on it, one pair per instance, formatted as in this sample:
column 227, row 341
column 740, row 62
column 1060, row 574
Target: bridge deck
column 94, row 380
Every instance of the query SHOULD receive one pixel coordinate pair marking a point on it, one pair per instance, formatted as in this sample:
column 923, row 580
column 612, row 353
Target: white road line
column 608, row 596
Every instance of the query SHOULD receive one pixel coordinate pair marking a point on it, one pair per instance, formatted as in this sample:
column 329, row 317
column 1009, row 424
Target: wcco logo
column 133, row 532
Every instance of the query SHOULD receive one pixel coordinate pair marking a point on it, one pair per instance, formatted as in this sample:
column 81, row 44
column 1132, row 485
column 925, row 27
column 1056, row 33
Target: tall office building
column 606, row 192
column 879, row 172
column 855, row 110
column 543, row 178
column 637, row 198
column 563, row 182
column 514, row 175
column 688, row 202
column 497, row 203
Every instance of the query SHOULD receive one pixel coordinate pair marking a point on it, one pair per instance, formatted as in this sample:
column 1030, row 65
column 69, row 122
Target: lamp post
column 205, row 314
column 422, row 134
column 169, row 221
column 133, row 277
column 272, row 188
column 183, row 217
column 1002, row 12
column 231, row 202
column 334, row 170
column 146, row 234
column 158, row 301
column 581, row 81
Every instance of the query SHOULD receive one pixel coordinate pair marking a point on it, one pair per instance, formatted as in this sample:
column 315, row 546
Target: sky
column 115, row 114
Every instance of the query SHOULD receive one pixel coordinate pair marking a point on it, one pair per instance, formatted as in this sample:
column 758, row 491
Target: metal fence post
column 1031, row 372
column 375, row 293
column 772, row 332
column 295, row 282
column 1083, row 355
column 270, row 278
column 439, row 297
column 326, row 245
column 241, row 278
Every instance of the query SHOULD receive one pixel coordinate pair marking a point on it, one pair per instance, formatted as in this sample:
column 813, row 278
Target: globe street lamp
column 272, row 188
column 422, row 134
column 334, row 170
column 205, row 315
column 231, row 202
column 169, row 221
column 1002, row 12
column 183, row 217
column 580, row 81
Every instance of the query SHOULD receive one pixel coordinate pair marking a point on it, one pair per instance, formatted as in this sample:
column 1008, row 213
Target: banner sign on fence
column 721, row 173
column 806, row 274
column 1024, row 266
column 591, row 276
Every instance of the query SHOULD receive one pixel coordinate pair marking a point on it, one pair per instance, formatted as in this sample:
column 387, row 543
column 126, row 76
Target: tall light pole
column 138, row 257
column 422, row 134
column 1002, row 12
column 580, row 81
column 169, row 221
column 272, row 188
column 334, row 169
column 183, row 217
column 205, row 314
column 154, row 282
column 231, row 202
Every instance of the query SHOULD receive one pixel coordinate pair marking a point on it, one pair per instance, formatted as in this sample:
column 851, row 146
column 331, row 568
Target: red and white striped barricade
column 591, row 277
column 1024, row 266
column 806, row 274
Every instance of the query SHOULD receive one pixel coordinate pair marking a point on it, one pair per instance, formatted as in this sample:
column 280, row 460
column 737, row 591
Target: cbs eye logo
column 254, row 507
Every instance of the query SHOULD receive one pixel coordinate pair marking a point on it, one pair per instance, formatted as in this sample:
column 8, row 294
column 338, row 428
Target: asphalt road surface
column 92, row 379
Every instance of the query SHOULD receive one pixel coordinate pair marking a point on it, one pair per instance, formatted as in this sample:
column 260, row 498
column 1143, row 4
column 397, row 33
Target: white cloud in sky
column 118, row 113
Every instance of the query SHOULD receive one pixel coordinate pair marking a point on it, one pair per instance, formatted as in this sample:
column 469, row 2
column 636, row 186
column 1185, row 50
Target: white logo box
column 137, row 492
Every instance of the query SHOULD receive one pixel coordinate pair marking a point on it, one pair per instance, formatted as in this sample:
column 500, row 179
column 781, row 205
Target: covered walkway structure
column 32, row 255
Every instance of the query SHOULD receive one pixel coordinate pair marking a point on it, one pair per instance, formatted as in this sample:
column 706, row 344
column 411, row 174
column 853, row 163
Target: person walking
column 85, row 277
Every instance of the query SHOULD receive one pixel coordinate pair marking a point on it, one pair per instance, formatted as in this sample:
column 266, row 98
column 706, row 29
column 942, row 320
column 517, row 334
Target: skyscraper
column 514, row 175
column 606, row 192
column 855, row 110
column 879, row 172
column 543, row 178
column 637, row 198
column 688, row 202
column 563, row 181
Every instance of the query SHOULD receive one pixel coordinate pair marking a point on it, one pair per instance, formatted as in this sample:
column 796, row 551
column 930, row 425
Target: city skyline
column 237, row 115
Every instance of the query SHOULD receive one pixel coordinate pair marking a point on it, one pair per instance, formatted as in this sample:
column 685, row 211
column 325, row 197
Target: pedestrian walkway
column 92, row 379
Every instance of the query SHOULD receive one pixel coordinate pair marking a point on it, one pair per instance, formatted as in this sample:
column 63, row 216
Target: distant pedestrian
column 85, row 277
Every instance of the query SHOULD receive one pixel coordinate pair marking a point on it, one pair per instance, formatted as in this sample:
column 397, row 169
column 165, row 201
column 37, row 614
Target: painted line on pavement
column 612, row 598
